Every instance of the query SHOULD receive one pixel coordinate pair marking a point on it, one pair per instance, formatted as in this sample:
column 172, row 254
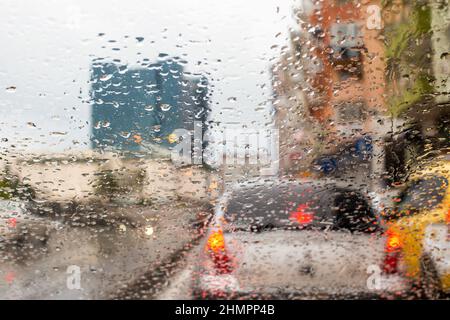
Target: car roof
column 438, row 165
column 319, row 184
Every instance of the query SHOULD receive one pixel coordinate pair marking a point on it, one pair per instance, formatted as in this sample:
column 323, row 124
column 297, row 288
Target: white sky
column 48, row 45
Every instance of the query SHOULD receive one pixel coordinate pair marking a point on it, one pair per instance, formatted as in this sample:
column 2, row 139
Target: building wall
column 64, row 178
column 135, row 109
column 353, row 68
column 322, row 98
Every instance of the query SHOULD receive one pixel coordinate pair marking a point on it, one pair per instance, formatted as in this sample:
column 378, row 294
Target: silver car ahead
column 293, row 240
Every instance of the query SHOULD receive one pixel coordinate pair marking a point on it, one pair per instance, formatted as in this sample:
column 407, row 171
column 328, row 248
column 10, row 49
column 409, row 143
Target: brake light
column 393, row 242
column 392, row 253
column 216, row 248
column 216, row 241
column 12, row 222
column 301, row 215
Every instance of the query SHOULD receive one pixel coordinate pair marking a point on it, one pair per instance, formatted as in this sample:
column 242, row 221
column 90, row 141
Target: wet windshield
column 125, row 125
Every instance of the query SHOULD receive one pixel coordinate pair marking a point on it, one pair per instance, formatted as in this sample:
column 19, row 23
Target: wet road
column 180, row 284
column 149, row 261
column 109, row 258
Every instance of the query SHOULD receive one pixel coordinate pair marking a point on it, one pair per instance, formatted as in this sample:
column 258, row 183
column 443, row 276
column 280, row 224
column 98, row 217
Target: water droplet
column 232, row 99
column 123, row 69
column 125, row 135
column 11, row 89
column 58, row 133
column 149, row 108
column 165, row 107
column 105, row 77
column 149, row 230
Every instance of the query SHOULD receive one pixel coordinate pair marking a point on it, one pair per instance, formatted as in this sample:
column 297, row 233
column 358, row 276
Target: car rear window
column 296, row 207
column 254, row 208
column 352, row 212
column 422, row 194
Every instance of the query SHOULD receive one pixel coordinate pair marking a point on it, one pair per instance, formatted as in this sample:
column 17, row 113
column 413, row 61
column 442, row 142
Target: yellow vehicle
column 418, row 243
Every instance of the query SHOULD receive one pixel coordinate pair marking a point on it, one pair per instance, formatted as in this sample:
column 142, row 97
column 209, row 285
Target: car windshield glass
column 234, row 149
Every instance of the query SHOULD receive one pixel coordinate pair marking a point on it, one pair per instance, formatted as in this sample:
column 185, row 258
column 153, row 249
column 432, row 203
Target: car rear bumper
column 393, row 283
column 227, row 287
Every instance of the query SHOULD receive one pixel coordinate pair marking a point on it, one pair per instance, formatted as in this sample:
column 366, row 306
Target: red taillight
column 12, row 222
column 216, row 248
column 390, row 263
column 393, row 243
column 302, row 216
column 392, row 253
column 216, row 241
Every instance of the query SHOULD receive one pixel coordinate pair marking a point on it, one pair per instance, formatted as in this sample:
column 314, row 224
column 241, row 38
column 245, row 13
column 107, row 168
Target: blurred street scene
column 287, row 150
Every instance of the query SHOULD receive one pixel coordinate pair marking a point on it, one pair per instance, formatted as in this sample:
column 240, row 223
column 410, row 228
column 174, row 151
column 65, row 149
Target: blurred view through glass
column 197, row 149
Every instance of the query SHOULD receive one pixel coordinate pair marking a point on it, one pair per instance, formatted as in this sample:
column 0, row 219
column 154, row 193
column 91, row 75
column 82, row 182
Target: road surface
column 108, row 258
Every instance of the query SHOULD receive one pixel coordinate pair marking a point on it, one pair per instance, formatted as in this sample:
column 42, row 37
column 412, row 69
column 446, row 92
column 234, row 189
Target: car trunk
column 324, row 261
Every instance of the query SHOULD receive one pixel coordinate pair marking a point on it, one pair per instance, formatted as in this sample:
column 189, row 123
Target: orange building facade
column 334, row 78
column 351, row 84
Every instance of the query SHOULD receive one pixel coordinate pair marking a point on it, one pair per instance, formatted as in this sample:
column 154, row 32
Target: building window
column 346, row 44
